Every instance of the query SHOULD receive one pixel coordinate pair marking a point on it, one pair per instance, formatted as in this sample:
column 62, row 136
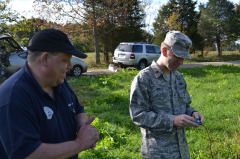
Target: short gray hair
column 33, row 55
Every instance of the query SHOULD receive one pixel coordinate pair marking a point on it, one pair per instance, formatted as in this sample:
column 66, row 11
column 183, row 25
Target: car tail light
column 132, row 56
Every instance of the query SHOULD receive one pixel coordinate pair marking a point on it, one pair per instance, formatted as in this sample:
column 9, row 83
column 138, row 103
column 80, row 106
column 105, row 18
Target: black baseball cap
column 53, row 40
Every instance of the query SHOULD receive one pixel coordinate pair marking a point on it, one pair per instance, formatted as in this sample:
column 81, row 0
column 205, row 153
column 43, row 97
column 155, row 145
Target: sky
column 24, row 7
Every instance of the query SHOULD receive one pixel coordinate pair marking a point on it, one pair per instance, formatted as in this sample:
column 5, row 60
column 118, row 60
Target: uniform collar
column 157, row 71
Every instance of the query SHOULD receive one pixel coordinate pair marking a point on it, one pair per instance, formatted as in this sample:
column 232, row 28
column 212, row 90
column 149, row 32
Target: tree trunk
column 106, row 57
column 95, row 35
column 96, row 45
column 219, row 45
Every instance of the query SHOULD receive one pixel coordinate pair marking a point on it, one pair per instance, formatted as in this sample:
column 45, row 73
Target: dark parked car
column 18, row 56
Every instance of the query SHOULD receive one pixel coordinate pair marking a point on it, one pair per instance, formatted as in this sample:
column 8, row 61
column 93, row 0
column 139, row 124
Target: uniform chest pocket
column 160, row 93
column 181, row 92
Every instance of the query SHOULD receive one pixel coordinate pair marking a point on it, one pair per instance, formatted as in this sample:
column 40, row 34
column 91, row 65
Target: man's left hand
column 198, row 115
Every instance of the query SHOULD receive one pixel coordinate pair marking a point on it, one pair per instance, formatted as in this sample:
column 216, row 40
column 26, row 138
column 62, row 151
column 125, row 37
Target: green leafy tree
column 6, row 15
column 160, row 26
column 72, row 11
column 178, row 15
column 221, row 16
column 206, row 29
column 80, row 35
column 106, row 19
column 24, row 29
column 122, row 22
column 238, row 18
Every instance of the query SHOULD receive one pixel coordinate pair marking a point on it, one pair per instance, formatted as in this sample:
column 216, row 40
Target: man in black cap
column 40, row 116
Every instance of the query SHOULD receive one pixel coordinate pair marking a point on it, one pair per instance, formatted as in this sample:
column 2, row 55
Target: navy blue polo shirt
column 29, row 116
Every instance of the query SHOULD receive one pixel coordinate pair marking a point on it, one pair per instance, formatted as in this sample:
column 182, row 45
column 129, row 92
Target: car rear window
column 124, row 47
column 130, row 48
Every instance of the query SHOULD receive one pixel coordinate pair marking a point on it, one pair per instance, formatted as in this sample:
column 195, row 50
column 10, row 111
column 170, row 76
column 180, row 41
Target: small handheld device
column 198, row 121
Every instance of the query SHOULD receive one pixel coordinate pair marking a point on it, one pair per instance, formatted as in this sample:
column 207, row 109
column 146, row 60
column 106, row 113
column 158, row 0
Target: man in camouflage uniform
column 160, row 102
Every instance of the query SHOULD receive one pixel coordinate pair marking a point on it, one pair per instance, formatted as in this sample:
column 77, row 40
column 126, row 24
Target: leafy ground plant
column 215, row 93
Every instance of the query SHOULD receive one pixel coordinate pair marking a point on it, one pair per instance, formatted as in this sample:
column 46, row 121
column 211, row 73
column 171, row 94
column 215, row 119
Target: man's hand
column 87, row 138
column 87, row 135
column 198, row 115
column 184, row 121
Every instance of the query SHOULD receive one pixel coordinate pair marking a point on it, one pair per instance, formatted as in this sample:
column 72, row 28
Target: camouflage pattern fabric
column 154, row 101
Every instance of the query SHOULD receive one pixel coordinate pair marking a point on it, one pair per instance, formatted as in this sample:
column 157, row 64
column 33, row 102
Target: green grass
column 91, row 61
column 212, row 56
column 215, row 93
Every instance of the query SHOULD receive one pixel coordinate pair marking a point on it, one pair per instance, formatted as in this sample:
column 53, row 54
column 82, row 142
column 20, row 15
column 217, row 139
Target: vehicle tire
column 76, row 71
column 142, row 64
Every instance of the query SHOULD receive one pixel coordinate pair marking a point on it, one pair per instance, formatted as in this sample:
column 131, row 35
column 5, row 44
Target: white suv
column 136, row 54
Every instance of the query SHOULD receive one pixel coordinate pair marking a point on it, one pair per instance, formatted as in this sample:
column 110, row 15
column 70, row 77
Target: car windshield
column 10, row 45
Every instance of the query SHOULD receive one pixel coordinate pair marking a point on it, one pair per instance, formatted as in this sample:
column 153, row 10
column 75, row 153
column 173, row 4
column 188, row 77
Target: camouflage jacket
column 154, row 101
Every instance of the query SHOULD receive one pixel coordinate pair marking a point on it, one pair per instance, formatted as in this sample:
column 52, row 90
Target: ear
column 164, row 51
column 44, row 59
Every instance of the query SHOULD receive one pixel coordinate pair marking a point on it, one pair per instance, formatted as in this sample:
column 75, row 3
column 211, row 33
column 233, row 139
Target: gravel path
column 200, row 64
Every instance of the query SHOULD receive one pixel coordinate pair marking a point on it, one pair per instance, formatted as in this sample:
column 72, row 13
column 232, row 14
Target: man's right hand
column 184, row 120
column 88, row 135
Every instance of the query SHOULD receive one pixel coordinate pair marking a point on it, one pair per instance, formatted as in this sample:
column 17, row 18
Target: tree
column 24, row 29
column 238, row 17
column 6, row 15
column 160, row 26
column 122, row 21
column 178, row 15
column 222, row 17
column 80, row 35
column 83, row 11
column 205, row 29
column 111, row 21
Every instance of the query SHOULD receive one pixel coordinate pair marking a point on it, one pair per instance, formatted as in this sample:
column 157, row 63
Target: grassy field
column 208, row 57
column 91, row 61
column 215, row 93
column 211, row 56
